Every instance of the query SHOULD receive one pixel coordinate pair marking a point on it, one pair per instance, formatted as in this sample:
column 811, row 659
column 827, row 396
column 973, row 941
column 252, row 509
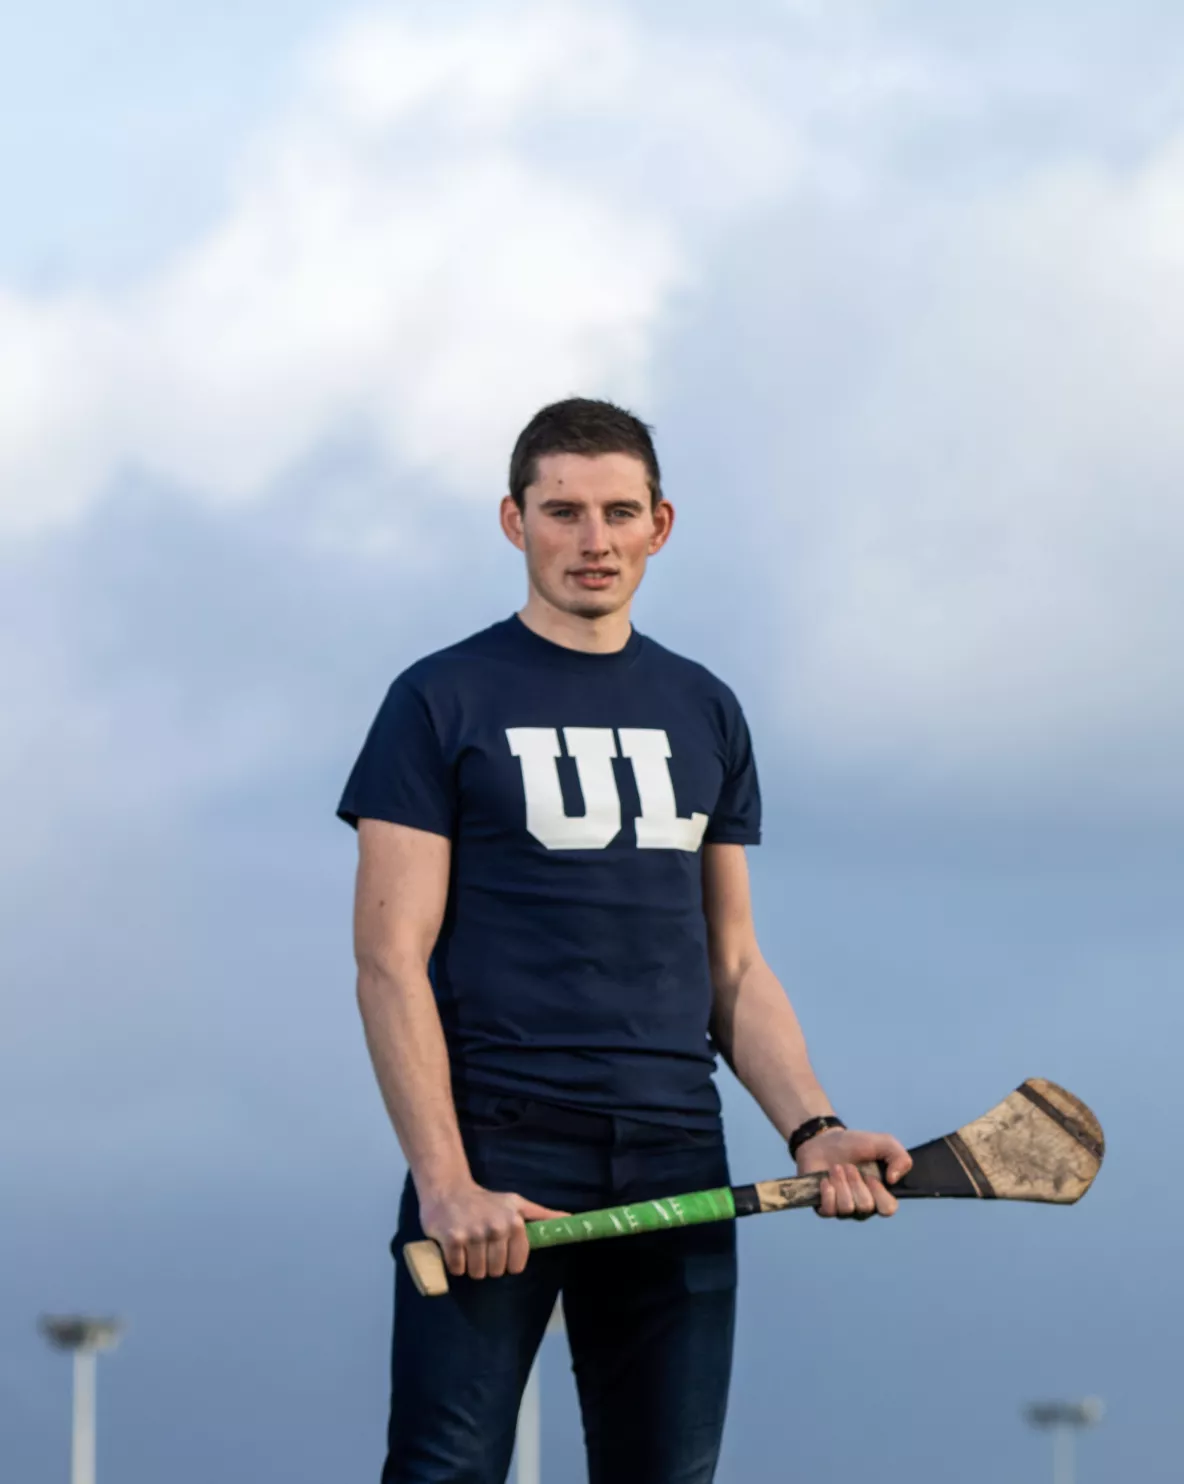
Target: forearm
column 757, row 1031
column 410, row 1057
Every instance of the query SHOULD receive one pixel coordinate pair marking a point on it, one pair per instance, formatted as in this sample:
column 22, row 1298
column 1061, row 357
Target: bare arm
column 402, row 888
column 757, row 1031
column 753, row 1023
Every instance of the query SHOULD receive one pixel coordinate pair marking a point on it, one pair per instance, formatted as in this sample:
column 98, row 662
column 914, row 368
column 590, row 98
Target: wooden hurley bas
column 1039, row 1144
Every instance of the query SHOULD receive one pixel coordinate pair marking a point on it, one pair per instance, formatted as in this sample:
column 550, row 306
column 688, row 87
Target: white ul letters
column 658, row 825
column 593, row 748
column 536, row 748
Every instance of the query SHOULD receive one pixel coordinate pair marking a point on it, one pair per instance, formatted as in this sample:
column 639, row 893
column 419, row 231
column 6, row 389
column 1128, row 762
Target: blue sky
column 900, row 290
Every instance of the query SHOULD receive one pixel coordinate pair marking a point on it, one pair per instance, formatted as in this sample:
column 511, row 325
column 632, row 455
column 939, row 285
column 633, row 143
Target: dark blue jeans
column 649, row 1318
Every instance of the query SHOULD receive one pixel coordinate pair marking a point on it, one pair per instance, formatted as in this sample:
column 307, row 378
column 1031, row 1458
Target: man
column 554, row 937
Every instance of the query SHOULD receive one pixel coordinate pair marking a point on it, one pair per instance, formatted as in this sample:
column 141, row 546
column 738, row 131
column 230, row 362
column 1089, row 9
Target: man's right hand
column 481, row 1232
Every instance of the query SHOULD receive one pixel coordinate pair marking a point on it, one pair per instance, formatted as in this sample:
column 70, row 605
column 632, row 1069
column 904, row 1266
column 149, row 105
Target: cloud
column 986, row 524
column 452, row 222
column 944, row 311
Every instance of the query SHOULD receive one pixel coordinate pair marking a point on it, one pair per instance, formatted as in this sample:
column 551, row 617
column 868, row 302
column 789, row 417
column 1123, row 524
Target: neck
column 603, row 635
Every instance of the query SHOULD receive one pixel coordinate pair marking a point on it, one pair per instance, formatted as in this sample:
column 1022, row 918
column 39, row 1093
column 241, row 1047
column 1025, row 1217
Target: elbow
column 730, row 972
column 720, row 1031
column 370, row 978
column 371, row 990
column 381, row 978
column 735, row 979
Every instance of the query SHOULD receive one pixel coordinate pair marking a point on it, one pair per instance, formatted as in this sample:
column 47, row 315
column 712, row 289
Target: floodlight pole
column 1064, row 1461
column 83, row 1338
column 528, row 1441
column 82, row 1444
column 1064, row 1420
column 529, row 1467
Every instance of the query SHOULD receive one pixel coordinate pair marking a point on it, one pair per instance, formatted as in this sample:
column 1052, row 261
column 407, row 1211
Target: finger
column 865, row 1201
column 534, row 1212
column 497, row 1248
column 826, row 1198
column 886, row 1202
column 899, row 1162
column 453, row 1247
column 844, row 1200
column 475, row 1257
column 518, row 1247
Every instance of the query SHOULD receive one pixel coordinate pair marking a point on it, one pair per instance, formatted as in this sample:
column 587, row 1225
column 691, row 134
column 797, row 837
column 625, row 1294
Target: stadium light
column 83, row 1337
column 1064, row 1420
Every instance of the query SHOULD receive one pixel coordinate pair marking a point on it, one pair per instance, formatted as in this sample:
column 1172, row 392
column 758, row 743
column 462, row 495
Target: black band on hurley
column 808, row 1130
column 746, row 1200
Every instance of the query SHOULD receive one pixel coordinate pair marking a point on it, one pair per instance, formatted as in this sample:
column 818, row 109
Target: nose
column 594, row 537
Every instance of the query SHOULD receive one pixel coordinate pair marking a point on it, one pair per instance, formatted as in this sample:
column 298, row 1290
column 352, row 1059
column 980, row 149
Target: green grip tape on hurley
column 642, row 1216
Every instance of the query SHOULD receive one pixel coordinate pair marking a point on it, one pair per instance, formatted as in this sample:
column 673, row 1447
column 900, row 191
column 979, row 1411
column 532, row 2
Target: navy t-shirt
column 577, row 790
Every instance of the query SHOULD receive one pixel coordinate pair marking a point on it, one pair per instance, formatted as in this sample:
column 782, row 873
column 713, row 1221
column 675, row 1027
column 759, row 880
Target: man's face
column 588, row 529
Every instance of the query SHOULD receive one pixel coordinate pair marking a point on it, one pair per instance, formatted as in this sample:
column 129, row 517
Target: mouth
column 593, row 578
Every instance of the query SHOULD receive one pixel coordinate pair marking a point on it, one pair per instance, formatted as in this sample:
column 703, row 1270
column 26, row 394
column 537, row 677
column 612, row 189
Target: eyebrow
column 555, row 501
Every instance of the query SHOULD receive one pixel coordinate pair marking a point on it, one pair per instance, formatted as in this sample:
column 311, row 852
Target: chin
column 594, row 605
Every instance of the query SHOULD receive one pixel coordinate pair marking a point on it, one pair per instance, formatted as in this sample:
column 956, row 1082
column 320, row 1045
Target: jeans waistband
column 578, row 1122
column 582, row 1124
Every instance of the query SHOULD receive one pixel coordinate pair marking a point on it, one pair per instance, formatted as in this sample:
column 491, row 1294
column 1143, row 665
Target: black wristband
column 811, row 1127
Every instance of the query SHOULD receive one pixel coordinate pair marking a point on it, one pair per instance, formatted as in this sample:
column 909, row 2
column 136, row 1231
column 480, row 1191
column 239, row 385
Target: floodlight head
column 80, row 1332
column 1084, row 1413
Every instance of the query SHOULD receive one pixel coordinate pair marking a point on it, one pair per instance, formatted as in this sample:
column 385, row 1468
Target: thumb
column 898, row 1160
column 532, row 1211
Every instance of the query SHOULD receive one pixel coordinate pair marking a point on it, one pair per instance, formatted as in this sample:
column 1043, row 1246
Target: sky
column 899, row 288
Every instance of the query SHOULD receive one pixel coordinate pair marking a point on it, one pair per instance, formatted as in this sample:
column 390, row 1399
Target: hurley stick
column 1039, row 1144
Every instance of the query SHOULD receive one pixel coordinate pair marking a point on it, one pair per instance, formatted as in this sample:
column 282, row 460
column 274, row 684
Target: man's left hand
column 845, row 1192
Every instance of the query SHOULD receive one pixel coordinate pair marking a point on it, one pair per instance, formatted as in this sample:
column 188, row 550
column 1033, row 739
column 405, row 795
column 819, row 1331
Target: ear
column 511, row 522
column 663, row 525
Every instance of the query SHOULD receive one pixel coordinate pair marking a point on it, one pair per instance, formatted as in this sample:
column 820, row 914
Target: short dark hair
column 581, row 425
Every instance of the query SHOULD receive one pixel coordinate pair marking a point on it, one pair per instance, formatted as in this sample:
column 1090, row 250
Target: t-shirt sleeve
column 402, row 774
column 736, row 818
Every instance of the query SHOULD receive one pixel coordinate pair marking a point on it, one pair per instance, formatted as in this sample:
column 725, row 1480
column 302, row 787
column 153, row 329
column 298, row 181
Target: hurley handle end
column 425, row 1263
